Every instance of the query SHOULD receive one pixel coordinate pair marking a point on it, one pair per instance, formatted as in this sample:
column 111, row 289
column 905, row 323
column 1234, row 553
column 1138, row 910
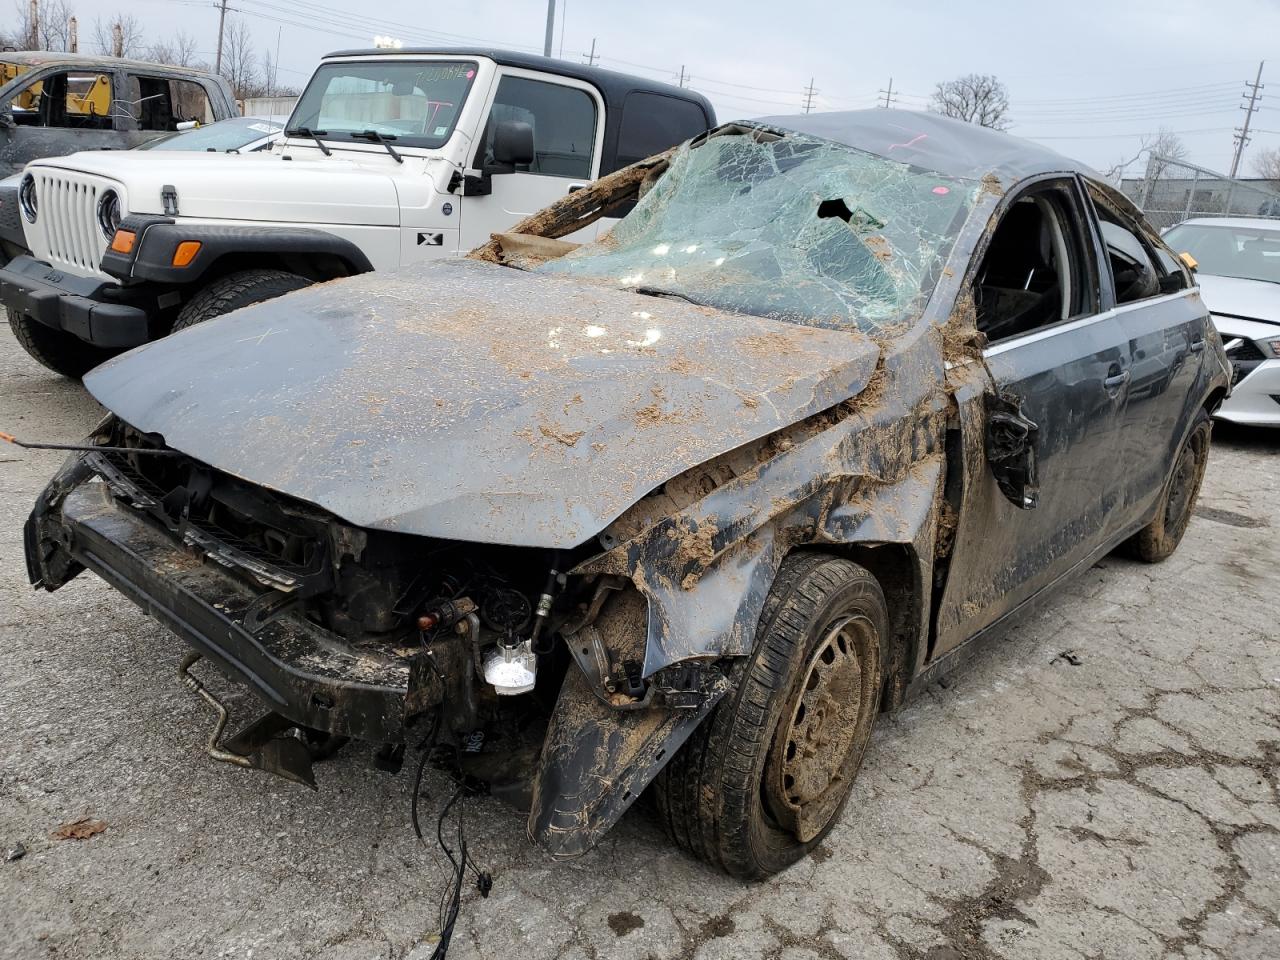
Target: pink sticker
column 942, row 191
column 470, row 74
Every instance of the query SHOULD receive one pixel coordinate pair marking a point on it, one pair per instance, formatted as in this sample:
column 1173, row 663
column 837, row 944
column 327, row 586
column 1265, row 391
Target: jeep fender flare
column 158, row 239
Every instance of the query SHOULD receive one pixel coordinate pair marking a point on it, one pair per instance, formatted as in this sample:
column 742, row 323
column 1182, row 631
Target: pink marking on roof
column 910, row 143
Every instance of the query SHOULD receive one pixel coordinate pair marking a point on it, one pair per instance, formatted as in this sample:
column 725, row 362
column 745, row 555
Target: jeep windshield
column 415, row 101
column 794, row 228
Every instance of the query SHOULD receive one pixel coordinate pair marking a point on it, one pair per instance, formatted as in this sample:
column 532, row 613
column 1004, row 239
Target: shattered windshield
column 797, row 229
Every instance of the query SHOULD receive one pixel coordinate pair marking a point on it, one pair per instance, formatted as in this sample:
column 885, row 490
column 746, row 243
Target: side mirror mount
column 512, row 143
column 1011, row 450
column 477, row 184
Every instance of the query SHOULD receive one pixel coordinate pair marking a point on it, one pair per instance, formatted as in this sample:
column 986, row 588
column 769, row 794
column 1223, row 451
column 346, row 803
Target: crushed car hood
column 471, row 401
column 1238, row 297
column 257, row 185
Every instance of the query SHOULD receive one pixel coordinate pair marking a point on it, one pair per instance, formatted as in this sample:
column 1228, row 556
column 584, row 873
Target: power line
column 592, row 57
column 1242, row 133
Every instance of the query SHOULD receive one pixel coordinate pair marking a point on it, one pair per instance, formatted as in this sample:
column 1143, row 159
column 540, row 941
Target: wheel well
column 895, row 568
column 1215, row 399
column 315, row 267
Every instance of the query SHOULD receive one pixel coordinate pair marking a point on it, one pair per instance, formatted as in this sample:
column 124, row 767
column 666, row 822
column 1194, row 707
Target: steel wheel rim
column 808, row 773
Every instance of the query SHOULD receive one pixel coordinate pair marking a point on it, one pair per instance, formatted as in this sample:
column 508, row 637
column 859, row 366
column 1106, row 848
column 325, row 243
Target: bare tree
column 130, row 37
column 1164, row 148
column 975, row 98
column 178, row 52
column 51, row 31
column 1266, row 163
column 240, row 61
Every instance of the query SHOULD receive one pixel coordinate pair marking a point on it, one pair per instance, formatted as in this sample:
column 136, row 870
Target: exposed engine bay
column 375, row 635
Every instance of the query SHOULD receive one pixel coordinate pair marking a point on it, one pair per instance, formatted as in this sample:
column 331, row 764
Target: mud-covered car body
column 611, row 450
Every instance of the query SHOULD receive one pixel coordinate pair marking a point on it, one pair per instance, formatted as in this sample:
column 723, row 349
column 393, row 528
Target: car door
column 55, row 112
column 1165, row 323
column 567, row 121
column 1043, row 413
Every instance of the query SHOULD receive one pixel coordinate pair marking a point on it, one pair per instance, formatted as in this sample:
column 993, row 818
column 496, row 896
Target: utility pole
column 33, row 26
column 551, row 28
column 117, row 40
column 222, row 19
column 889, row 98
column 1242, row 133
column 592, row 57
column 682, row 76
column 809, row 94
column 73, row 35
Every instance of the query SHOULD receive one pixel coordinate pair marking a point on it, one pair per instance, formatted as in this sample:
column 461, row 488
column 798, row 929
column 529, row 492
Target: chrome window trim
column 1044, row 333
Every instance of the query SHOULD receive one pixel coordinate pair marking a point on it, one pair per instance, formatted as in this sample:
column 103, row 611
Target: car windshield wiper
column 314, row 135
column 375, row 137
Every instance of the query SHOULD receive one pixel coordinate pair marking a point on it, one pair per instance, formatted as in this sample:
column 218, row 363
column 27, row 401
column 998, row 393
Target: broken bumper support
column 303, row 673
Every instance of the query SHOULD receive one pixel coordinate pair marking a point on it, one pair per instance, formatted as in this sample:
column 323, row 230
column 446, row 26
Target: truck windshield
column 794, row 228
column 415, row 101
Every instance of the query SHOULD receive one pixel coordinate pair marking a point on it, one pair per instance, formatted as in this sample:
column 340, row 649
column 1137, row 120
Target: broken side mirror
column 1010, row 440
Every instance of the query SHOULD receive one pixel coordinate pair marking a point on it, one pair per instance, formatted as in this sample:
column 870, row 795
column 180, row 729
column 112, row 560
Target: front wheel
column 765, row 777
column 1158, row 539
column 236, row 290
column 57, row 350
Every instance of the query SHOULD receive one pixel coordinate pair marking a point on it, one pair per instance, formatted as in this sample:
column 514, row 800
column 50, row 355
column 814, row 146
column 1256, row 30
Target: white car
column 233, row 135
column 1238, row 269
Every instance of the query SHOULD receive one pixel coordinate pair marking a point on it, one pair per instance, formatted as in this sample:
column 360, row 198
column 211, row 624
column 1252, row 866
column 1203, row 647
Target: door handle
column 1197, row 345
column 1116, row 380
column 575, row 187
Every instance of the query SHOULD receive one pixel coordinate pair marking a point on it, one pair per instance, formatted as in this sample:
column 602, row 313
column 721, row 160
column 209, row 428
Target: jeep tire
column 236, row 290
column 56, row 350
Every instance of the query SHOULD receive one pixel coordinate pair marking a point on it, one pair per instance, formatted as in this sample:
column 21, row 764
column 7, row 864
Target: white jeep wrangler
column 390, row 157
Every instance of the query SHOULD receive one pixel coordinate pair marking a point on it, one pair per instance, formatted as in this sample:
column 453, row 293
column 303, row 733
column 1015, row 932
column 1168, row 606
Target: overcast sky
column 1088, row 77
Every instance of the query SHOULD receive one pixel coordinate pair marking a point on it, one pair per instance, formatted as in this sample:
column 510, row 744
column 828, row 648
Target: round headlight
column 109, row 213
column 27, row 198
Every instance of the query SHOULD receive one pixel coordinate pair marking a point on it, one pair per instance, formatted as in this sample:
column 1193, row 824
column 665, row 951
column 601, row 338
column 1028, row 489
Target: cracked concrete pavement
column 1121, row 801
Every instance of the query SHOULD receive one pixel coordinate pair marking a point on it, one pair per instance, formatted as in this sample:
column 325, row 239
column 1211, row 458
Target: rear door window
column 652, row 122
column 1141, row 266
column 563, row 121
column 161, row 103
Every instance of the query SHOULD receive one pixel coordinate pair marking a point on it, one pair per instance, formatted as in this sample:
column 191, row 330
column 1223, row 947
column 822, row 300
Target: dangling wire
column 451, row 902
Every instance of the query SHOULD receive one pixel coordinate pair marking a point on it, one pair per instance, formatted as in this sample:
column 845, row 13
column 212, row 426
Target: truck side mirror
column 512, row 143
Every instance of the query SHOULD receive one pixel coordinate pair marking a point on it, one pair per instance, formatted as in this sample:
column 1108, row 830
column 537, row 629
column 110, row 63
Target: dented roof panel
column 465, row 400
column 931, row 141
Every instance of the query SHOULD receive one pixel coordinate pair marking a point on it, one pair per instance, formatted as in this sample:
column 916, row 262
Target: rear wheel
column 764, row 778
column 1158, row 539
column 236, row 290
column 57, row 350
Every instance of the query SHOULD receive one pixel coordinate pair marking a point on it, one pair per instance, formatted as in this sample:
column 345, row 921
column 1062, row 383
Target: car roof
column 1249, row 223
column 612, row 86
column 933, row 142
column 45, row 58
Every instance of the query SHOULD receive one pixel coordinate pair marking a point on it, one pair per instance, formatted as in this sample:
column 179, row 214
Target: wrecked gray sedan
column 682, row 509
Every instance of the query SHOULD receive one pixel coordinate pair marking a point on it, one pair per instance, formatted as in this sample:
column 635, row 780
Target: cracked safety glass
column 797, row 229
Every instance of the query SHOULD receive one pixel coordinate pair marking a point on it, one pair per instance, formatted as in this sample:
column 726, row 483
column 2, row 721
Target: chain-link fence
column 1170, row 191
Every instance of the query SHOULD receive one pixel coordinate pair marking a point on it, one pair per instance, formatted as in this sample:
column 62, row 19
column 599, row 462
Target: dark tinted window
column 652, row 122
column 563, row 121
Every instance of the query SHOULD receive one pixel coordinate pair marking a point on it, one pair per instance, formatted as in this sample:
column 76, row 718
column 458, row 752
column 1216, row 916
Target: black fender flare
column 158, row 238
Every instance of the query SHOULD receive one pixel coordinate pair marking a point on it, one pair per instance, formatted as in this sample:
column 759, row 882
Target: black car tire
column 1158, row 539
column 726, row 796
column 57, row 350
column 237, row 290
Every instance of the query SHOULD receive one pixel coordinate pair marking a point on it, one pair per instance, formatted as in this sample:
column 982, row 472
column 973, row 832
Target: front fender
column 159, row 237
